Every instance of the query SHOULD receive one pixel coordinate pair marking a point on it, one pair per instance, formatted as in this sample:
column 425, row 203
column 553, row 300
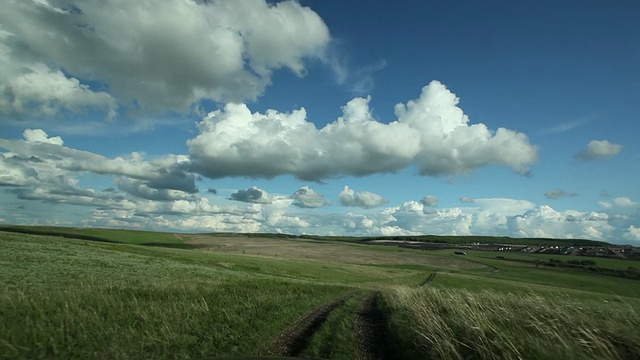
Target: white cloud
column 40, row 136
column 494, row 217
column 306, row 197
column 46, row 155
column 502, row 206
column 38, row 90
column 430, row 200
column 597, row 149
column 466, row 199
column 449, row 145
column 619, row 202
column 161, row 55
column 544, row 221
column 40, row 168
column 364, row 199
column 431, row 132
column 624, row 202
column 632, row 233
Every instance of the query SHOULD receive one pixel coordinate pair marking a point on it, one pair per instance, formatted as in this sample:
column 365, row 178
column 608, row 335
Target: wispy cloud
column 568, row 125
column 358, row 80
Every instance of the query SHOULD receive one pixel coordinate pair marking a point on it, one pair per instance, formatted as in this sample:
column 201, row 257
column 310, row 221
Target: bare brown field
column 317, row 251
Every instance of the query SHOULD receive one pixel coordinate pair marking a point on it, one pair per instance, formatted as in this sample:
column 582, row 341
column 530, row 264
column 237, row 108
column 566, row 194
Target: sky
column 323, row 117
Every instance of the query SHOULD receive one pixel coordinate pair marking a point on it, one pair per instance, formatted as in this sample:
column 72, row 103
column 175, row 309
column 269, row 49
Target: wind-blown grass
column 164, row 320
column 76, row 300
column 459, row 324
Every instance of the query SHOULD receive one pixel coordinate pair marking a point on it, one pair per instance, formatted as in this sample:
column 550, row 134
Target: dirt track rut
column 296, row 337
column 370, row 329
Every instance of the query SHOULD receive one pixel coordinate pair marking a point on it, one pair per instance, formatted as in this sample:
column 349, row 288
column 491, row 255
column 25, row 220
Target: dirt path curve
column 431, row 277
column 296, row 337
column 370, row 329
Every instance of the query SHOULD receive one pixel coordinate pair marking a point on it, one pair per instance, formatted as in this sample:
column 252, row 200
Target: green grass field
column 201, row 296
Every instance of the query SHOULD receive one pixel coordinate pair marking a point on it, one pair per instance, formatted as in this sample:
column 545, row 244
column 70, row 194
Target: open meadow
column 130, row 295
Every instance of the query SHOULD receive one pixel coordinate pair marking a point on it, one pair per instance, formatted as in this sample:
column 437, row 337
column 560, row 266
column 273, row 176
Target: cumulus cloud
column 557, row 194
column 544, row 221
column 599, row 149
column 165, row 55
column 168, row 172
column 41, row 168
column 467, row 200
column 620, row 203
column 431, row 132
column 632, row 233
column 40, row 136
column 430, row 200
column 306, row 197
column 364, row 199
column 252, row 195
column 496, row 217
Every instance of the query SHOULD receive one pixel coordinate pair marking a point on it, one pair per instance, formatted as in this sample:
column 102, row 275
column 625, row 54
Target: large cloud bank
column 431, row 132
column 161, row 193
column 160, row 55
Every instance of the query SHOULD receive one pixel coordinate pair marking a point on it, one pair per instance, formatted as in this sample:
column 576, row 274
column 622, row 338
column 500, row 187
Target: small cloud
column 623, row 202
column 364, row 199
column 212, row 191
column 557, row 194
column 40, row 136
column 466, row 199
column 599, row 149
column 252, row 195
column 430, row 200
column 306, row 197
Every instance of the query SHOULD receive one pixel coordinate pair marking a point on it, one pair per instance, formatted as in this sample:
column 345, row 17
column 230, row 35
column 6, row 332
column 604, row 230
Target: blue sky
column 344, row 118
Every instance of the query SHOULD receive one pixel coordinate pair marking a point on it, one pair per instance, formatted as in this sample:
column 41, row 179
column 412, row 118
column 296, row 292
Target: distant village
column 619, row 252
column 627, row 252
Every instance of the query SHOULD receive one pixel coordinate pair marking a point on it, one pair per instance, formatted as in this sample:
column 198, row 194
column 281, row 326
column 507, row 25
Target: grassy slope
column 514, row 274
column 68, row 298
column 71, row 299
column 517, row 311
column 113, row 235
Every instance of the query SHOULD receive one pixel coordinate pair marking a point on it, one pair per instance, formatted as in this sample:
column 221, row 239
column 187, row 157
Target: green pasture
column 182, row 298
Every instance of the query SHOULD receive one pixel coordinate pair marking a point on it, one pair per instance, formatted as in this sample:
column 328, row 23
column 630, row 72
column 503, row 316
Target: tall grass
column 164, row 320
column 460, row 324
column 70, row 299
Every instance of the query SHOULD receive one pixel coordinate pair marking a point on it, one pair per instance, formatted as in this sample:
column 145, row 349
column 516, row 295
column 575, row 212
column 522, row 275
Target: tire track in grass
column 430, row 279
column 370, row 331
column 293, row 340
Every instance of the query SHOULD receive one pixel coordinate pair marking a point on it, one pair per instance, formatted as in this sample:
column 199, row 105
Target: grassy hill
column 202, row 296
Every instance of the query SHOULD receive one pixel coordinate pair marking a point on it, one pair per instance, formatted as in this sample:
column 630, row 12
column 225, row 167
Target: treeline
column 494, row 240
